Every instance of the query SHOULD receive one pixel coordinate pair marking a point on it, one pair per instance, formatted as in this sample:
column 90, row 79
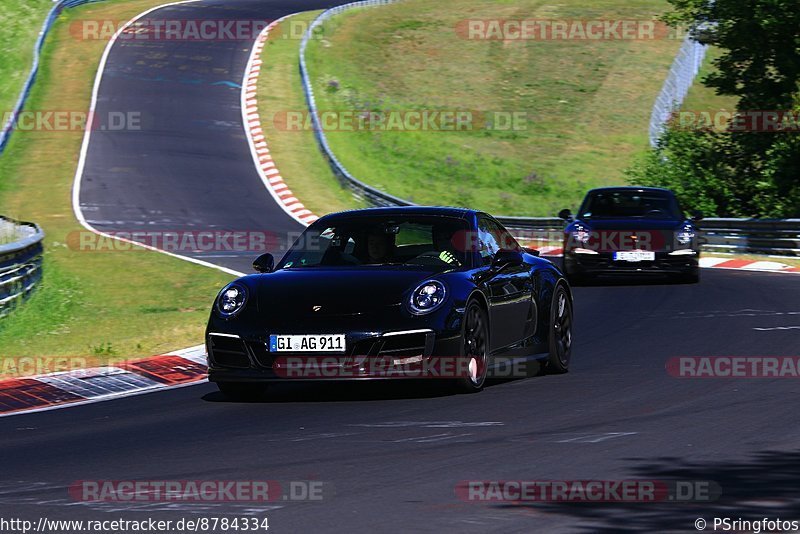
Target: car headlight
column 685, row 236
column 427, row 297
column 581, row 235
column 231, row 300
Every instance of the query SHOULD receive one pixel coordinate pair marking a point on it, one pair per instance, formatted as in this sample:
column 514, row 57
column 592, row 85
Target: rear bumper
column 604, row 263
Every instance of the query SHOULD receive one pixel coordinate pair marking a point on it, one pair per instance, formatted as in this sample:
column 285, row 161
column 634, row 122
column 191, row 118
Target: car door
column 509, row 287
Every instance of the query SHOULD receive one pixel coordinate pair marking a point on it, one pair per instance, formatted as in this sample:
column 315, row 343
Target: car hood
column 297, row 292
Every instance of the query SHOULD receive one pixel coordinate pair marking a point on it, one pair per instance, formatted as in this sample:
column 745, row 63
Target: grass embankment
column 587, row 102
column 295, row 152
column 705, row 99
column 103, row 304
column 22, row 20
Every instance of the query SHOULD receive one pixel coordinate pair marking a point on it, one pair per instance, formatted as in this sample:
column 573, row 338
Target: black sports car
column 630, row 230
column 407, row 292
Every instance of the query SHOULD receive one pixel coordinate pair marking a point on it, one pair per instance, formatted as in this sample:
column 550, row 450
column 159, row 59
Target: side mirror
column 697, row 215
column 565, row 214
column 507, row 257
column 264, row 263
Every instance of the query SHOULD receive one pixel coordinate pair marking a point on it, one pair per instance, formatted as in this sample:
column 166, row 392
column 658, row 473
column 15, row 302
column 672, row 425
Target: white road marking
column 429, row 424
column 596, row 438
column 429, row 439
column 76, row 184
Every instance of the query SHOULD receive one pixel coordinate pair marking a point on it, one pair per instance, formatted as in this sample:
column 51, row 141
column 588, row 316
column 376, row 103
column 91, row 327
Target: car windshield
column 624, row 204
column 380, row 241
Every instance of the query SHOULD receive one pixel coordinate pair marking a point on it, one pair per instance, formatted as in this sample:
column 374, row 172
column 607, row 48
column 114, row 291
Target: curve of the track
column 390, row 455
column 183, row 164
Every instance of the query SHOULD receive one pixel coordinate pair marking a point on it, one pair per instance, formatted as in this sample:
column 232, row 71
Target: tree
column 759, row 64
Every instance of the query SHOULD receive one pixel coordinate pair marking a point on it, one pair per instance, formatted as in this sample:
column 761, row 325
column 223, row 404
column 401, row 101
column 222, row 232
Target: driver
column 379, row 246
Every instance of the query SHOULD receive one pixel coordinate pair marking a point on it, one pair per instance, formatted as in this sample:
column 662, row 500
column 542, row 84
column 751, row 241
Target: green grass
column 22, row 20
column 113, row 304
column 588, row 103
column 702, row 98
column 295, row 153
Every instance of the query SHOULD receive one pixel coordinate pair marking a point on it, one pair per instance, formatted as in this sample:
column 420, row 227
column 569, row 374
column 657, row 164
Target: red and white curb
column 255, row 134
column 83, row 386
column 748, row 265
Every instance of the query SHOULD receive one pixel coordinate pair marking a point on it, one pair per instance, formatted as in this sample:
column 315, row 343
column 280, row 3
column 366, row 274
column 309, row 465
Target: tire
column 242, row 391
column 691, row 277
column 575, row 279
column 560, row 331
column 474, row 348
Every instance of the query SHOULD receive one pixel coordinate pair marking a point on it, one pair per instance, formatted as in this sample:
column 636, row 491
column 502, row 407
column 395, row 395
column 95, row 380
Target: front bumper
column 388, row 355
column 604, row 263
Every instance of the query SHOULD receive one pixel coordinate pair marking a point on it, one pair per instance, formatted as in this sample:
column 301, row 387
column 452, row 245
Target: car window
column 487, row 241
column 503, row 237
column 622, row 204
column 374, row 241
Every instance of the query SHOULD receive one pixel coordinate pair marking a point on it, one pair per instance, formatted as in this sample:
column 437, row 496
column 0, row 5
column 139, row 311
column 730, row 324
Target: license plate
column 635, row 255
column 307, row 343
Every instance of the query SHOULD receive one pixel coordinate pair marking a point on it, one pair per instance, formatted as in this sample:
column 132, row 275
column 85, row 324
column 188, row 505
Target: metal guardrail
column 20, row 262
column 728, row 235
column 55, row 11
column 359, row 189
column 757, row 236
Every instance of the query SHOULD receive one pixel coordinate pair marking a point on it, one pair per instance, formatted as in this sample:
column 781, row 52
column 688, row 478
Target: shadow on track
column 285, row 392
column 764, row 486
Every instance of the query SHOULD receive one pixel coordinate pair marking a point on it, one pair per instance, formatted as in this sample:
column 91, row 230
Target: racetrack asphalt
column 184, row 165
column 390, row 455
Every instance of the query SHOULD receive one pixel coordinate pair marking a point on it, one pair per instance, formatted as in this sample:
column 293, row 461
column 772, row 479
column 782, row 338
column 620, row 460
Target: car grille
column 227, row 351
column 405, row 345
column 224, row 351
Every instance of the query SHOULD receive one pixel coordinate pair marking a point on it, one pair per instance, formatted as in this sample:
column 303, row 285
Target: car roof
column 637, row 188
column 429, row 211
